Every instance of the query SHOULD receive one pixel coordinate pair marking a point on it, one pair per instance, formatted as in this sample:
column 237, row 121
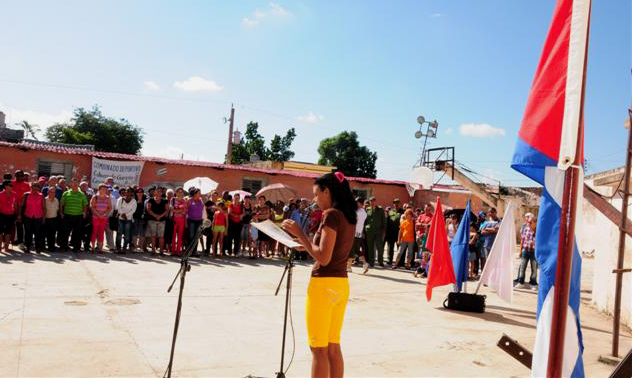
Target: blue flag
column 460, row 248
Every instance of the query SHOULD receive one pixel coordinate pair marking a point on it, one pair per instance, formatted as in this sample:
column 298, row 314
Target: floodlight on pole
column 431, row 132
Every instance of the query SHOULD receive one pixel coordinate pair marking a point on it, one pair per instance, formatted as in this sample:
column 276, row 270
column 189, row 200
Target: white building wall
column 600, row 235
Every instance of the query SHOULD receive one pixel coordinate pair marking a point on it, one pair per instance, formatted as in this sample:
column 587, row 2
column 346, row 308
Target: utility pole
column 229, row 149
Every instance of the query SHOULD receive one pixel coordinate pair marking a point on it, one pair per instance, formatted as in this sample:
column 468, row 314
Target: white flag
column 498, row 270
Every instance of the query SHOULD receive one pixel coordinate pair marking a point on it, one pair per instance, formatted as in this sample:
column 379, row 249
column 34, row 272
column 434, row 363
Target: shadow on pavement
column 400, row 280
column 136, row 257
column 490, row 317
column 509, row 309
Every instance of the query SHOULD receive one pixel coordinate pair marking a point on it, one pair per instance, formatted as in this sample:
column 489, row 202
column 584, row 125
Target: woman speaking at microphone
column 328, row 290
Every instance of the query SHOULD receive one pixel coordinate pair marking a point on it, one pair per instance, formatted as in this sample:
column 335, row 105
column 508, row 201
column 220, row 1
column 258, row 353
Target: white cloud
column 151, row 85
column 448, row 130
column 197, row 84
column 435, row 15
column 311, row 118
column 43, row 120
column 249, row 23
column 277, row 11
column 274, row 10
column 480, row 130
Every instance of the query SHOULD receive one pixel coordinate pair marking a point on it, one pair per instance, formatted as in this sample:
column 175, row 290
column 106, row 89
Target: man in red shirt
column 20, row 186
column 425, row 218
column 235, row 216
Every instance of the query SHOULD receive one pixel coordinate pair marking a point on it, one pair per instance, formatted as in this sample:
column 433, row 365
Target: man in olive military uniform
column 375, row 229
column 393, row 217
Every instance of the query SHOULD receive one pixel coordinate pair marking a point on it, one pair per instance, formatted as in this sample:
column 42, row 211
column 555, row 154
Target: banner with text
column 125, row 173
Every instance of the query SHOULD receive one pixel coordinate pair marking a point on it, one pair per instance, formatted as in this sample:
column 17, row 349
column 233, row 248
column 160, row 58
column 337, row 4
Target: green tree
column 254, row 143
column 280, row 146
column 29, row 129
column 105, row 133
column 344, row 152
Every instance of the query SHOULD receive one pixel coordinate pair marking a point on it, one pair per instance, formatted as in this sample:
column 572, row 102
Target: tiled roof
column 88, row 147
column 65, row 149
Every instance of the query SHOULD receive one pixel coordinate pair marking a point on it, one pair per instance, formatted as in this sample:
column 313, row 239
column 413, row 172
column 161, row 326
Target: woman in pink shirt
column 178, row 205
column 100, row 204
column 31, row 215
column 8, row 212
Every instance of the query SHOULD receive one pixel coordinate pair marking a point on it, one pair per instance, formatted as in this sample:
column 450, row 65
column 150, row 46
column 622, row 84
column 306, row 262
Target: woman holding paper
column 328, row 290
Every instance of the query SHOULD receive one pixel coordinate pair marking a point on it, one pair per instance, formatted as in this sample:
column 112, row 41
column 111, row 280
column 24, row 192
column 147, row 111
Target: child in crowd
column 219, row 227
column 209, row 207
column 253, row 250
column 405, row 240
column 424, row 253
column 265, row 242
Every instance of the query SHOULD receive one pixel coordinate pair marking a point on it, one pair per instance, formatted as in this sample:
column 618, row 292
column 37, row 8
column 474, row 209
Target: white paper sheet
column 276, row 233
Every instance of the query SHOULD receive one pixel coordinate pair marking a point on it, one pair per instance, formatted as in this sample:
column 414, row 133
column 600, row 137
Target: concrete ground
column 108, row 315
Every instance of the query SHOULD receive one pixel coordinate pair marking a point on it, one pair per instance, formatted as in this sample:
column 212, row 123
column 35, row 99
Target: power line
column 199, row 100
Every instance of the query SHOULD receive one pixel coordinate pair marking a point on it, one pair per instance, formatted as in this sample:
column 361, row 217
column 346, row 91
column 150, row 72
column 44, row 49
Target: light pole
column 431, row 132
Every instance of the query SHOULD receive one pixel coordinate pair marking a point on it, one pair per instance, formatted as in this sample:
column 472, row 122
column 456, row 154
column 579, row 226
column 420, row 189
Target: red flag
column 441, row 269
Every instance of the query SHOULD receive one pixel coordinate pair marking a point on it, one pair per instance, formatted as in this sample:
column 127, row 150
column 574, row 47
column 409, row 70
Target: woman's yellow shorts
column 326, row 303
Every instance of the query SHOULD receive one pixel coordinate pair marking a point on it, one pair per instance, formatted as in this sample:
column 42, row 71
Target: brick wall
column 172, row 175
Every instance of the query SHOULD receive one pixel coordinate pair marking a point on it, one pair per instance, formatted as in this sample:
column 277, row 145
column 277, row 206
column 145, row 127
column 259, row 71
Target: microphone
column 206, row 224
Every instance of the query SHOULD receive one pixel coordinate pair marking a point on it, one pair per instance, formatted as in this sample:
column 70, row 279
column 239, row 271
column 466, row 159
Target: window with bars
column 362, row 193
column 252, row 185
column 49, row 168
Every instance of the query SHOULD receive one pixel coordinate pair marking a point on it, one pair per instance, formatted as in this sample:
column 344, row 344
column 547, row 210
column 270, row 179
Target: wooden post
column 622, row 234
column 566, row 245
column 566, row 241
column 229, row 149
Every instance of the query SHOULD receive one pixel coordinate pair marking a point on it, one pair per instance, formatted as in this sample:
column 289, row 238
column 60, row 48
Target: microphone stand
column 184, row 268
column 288, row 293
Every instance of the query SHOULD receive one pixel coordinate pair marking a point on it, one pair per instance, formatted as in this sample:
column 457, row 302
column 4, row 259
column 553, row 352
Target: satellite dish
column 418, row 134
column 421, row 120
column 422, row 176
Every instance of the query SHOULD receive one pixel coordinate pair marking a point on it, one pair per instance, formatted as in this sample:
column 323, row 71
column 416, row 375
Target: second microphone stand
column 288, row 293
column 182, row 273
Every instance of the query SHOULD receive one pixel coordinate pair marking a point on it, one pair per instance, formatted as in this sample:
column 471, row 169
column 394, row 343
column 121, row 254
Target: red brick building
column 41, row 159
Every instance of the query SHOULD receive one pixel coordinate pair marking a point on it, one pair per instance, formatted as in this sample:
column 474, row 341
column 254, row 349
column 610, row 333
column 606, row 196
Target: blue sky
column 174, row 67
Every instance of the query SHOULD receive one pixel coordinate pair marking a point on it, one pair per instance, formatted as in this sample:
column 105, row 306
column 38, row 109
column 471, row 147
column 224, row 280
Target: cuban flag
column 546, row 148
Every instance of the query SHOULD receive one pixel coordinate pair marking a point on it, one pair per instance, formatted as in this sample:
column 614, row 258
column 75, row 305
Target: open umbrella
column 205, row 184
column 275, row 192
column 242, row 193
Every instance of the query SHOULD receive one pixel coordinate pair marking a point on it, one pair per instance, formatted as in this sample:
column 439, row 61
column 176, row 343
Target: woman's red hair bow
column 340, row 176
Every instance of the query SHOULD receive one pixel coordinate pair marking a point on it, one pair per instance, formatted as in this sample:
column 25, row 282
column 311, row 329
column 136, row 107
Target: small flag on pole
column 441, row 269
column 460, row 249
column 498, row 270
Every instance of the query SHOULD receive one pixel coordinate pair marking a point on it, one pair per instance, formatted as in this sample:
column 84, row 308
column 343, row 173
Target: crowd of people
column 56, row 214
column 401, row 231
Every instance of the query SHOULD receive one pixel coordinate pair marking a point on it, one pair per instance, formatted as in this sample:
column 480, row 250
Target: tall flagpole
column 566, row 243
